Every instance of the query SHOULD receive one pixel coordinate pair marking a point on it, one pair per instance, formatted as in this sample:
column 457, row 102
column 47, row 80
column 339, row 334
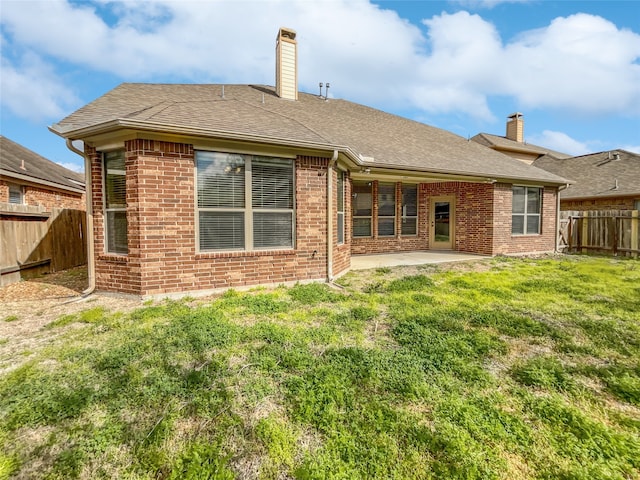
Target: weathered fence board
column 614, row 232
column 33, row 241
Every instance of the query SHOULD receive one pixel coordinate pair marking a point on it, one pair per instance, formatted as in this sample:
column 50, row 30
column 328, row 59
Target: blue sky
column 572, row 68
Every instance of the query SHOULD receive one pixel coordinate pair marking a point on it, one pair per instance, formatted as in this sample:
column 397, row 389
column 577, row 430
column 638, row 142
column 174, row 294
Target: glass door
column 442, row 217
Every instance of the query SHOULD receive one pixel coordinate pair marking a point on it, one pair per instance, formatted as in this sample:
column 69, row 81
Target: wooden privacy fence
column 33, row 241
column 615, row 232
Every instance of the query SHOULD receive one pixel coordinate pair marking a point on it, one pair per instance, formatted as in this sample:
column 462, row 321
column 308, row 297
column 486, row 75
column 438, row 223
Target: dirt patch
column 27, row 307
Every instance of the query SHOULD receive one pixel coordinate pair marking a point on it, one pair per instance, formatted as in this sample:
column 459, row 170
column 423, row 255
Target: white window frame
column 404, row 216
column 14, row 189
column 107, row 247
column 248, row 210
column 340, row 211
column 526, row 214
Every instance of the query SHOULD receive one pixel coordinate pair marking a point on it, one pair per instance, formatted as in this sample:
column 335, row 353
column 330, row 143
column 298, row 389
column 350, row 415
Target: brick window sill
column 113, row 258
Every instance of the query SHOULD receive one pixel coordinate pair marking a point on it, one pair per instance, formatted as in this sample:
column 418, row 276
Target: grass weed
column 523, row 368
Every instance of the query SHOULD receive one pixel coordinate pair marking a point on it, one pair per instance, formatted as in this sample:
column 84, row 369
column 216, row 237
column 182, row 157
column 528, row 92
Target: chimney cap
column 285, row 32
column 515, row 115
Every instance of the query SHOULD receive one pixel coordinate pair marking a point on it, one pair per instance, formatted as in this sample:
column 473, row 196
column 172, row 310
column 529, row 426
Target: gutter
column 91, row 267
column 330, row 167
column 560, row 188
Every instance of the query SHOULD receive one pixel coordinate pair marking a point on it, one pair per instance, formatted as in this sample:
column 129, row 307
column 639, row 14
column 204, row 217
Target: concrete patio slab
column 364, row 262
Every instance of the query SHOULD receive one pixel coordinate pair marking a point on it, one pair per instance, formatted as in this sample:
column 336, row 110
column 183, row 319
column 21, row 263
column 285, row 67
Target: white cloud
column 485, row 3
column 74, row 167
column 451, row 63
column 560, row 142
column 631, row 148
column 32, row 90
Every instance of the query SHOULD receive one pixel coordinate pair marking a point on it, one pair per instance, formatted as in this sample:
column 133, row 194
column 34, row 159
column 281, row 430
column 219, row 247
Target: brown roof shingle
column 17, row 160
column 255, row 112
column 597, row 174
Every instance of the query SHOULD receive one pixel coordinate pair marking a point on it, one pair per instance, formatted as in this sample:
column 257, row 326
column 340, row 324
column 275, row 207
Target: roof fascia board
column 598, row 197
column 37, row 181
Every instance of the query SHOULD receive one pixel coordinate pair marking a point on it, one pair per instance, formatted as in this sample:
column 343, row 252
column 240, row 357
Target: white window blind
column 115, row 202
column 409, row 210
column 386, row 209
column 340, row 207
column 361, row 209
column 245, row 202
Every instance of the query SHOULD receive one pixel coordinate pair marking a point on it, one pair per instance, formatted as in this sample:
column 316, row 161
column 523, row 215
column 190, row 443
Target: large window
column 409, row 209
column 245, row 202
column 525, row 217
column 115, row 202
column 340, row 207
column 386, row 209
column 361, row 209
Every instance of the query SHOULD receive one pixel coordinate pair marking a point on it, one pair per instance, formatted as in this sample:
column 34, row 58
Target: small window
column 340, row 207
column 16, row 194
column 115, row 194
column 636, row 204
column 526, row 208
column 386, row 209
column 409, row 209
column 361, row 209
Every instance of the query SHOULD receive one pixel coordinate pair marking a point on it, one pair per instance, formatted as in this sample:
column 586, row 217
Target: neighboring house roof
column 254, row 113
column 20, row 163
column 504, row 143
column 604, row 174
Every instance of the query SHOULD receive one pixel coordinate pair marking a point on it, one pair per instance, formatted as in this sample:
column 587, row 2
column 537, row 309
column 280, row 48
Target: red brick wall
column 617, row 203
column 506, row 243
column 44, row 197
column 161, row 215
column 473, row 213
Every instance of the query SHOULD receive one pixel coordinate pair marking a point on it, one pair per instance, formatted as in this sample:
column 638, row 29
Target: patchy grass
column 506, row 369
column 11, row 318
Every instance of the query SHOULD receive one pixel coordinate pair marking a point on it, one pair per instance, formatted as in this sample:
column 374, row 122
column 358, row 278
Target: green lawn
column 505, row 369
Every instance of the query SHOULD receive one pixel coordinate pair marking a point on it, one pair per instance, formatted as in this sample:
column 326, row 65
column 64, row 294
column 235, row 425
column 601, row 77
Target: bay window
column 386, row 209
column 340, row 207
column 409, row 210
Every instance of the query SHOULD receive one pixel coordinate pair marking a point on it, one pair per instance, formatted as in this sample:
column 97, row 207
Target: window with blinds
column 245, row 202
column 526, row 208
column 16, row 194
column 409, row 209
column 115, row 202
column 386, row 209
column 362, row 209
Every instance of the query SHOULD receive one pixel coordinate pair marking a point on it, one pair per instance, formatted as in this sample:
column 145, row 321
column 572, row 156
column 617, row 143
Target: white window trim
column 526, row 214
column 387, row 217
column 340, row 216
column 248, row 209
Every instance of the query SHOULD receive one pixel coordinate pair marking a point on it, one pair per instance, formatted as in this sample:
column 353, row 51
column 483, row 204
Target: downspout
column 560, row 188
column 91, row 268
column 332, row 163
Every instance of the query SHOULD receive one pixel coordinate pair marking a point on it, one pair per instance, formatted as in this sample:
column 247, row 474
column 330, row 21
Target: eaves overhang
column 356, row 159
column 38, row 181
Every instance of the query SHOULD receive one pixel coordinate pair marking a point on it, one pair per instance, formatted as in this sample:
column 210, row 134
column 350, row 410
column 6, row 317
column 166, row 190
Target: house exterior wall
column 45, row 197
column 162, row 252
column 504, row 242
column 341, row 253
column 611, row 203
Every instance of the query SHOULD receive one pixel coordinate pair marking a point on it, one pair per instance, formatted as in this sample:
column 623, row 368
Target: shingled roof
column 20, row 163
column 504, row 143
column 255, row 113
column 604, row 174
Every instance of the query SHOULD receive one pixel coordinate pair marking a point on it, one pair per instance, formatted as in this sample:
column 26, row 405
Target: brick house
column 27, row 178
column 202, row 187
column 602, row 181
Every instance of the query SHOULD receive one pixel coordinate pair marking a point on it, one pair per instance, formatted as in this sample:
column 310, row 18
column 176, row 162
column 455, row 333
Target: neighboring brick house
column 30, row 179
column 202, row 187
column 513, row 143
column 602, row 181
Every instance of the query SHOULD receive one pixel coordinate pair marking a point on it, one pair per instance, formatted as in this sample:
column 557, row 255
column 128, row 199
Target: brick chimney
column 287, row 64
column 515, row 127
